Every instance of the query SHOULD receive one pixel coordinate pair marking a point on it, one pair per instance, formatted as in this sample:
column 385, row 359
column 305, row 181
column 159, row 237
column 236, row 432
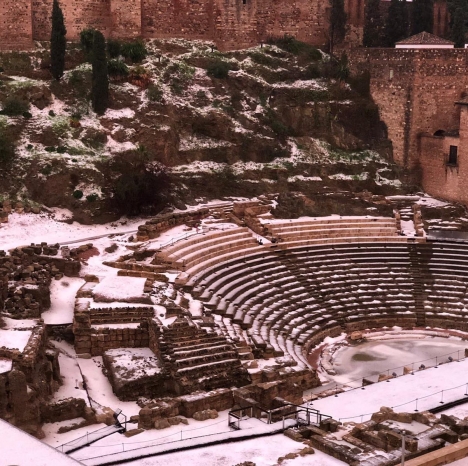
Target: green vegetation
column 100, row 80
column 296, row 47
column 459, row 28
column 373, row 25
column 58, row 42
column 7, row 146
column 15, row 106
column 86, row 41
column 117, row 68
column 77, row 194
column 135, row 51
column 114, row 48
column 396, row 26
column 154, row 93
column 218, row 69
column 423, row 16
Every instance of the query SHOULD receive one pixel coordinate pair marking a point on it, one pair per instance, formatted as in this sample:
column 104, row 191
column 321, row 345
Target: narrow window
column 391, row 74
column 453, row 155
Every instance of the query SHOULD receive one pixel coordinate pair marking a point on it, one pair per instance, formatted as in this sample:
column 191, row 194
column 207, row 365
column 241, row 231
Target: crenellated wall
column 229, row 23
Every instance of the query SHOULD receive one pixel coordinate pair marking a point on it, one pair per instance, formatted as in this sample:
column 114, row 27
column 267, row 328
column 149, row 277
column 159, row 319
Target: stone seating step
column 196, row 361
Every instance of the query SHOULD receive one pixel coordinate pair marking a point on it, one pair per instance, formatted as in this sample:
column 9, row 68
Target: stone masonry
column 229, row 23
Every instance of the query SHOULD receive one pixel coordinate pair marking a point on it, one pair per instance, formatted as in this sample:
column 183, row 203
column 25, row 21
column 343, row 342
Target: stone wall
column 78, row 14
column 94, row 341
column 415, row 91
column 152, row 228
column 15, row 24
column 229, row 23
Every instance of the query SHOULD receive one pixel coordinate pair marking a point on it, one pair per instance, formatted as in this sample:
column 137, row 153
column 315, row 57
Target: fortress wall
column 15, row 24
column 415, row 91
column 188, row 19
column 126, row 18
column 79, row 14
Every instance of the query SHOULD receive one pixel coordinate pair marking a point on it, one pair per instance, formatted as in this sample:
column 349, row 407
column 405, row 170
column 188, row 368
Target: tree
column 396, row 26
column 422, row 16
column 100, row 80
column 58, row 42
column 459, row 28
column 337, row 23
column 373, row 24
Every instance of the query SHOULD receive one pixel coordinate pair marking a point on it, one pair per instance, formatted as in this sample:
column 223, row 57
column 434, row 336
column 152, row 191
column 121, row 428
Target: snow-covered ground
column 353, row 363
column 423, row 389
column 62, row 300
column 24, row 229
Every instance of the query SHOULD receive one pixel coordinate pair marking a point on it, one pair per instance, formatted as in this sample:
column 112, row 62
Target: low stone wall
column 152, row 228
column 109, row 338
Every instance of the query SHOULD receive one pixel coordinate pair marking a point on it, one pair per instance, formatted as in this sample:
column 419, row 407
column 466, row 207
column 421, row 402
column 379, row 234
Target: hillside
column 278, row 118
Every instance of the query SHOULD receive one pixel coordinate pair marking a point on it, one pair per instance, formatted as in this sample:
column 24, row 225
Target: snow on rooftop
column 14, row 339
column 119, row 289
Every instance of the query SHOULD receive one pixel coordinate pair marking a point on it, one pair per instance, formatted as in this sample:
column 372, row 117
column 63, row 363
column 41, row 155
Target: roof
column 425, row 38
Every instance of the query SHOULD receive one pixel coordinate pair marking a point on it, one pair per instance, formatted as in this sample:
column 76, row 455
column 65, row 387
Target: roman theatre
column 251, row 287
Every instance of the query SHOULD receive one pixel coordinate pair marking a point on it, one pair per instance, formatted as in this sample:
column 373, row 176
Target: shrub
column 218, row 69
column 86, row 41
column 51, row 113
column 7, row 148
column 92, row 197
column 27, row 115
column 313, row 71
column 135, row 51
column 296, row 47
column 77, row 194
column 60, row 127
column 117, row 68
column 14, row 106
column 263, row 59
column 154, row 93
column 114, row 48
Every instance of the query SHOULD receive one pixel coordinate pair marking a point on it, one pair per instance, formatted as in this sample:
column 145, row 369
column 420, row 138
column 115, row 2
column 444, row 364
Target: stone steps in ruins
column 199, row 361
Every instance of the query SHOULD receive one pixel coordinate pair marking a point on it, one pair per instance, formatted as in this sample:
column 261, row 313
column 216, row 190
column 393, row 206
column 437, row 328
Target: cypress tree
column 58, row 42
column 337, row 23
column 459, row 28
column 100, row 85
column 373, row 24
column 423, row 16
column 396, row 26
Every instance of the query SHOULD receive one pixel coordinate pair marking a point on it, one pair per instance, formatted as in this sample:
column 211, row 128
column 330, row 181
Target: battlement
column 229, row 23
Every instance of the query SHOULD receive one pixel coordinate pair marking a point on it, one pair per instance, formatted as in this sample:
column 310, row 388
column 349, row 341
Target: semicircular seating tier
column 319, row 278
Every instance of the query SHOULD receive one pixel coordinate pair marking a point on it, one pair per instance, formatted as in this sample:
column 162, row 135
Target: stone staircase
column 418, row 289
column 199, row 360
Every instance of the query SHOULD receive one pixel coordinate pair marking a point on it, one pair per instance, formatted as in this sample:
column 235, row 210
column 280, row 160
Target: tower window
column 453, row 155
